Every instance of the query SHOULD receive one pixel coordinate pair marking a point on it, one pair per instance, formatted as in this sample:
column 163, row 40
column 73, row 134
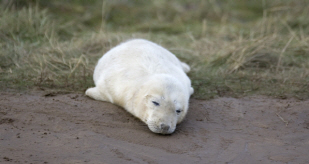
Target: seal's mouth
column 162, row 129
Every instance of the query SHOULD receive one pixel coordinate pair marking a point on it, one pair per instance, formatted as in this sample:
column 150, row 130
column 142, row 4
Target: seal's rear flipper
column 185, row 67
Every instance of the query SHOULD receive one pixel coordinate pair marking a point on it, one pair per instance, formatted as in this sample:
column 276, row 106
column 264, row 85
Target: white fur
column 140, row 74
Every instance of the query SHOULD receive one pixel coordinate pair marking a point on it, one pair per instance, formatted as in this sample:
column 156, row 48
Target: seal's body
column 146, row 80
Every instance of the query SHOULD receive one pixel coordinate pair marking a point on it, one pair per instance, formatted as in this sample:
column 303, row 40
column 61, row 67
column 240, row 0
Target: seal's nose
column 165, row 127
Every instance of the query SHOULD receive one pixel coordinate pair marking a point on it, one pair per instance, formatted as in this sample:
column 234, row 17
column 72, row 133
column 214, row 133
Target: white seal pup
column 146, row 80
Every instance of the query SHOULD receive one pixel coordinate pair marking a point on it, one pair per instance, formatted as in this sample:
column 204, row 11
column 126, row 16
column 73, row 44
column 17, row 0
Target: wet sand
column 40, row 127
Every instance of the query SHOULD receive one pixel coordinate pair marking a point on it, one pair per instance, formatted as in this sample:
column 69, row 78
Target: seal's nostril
column 165, row 127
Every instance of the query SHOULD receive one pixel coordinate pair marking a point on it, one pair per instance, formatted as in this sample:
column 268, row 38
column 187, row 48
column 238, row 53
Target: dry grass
column 234, row 49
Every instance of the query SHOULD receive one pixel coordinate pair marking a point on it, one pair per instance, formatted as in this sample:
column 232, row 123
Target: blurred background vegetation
column 235, row 48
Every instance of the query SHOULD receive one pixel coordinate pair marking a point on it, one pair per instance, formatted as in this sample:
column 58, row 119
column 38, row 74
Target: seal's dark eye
column 155, row 103
column 178, row 111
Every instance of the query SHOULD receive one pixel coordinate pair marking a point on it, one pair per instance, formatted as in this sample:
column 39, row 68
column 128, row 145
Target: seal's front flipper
column 191, row 91
column 95, row 94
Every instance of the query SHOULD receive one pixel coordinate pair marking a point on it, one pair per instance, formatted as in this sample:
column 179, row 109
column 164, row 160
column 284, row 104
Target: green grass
column 235, row 48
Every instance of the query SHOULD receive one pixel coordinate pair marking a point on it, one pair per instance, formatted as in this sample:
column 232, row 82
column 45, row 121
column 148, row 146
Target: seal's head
column 164, row 106
column 164, row 113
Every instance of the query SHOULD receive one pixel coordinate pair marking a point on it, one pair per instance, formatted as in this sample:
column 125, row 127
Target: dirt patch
column 39, row 127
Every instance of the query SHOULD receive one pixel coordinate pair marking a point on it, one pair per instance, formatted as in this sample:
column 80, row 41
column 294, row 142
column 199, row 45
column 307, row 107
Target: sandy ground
column 40, row 127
